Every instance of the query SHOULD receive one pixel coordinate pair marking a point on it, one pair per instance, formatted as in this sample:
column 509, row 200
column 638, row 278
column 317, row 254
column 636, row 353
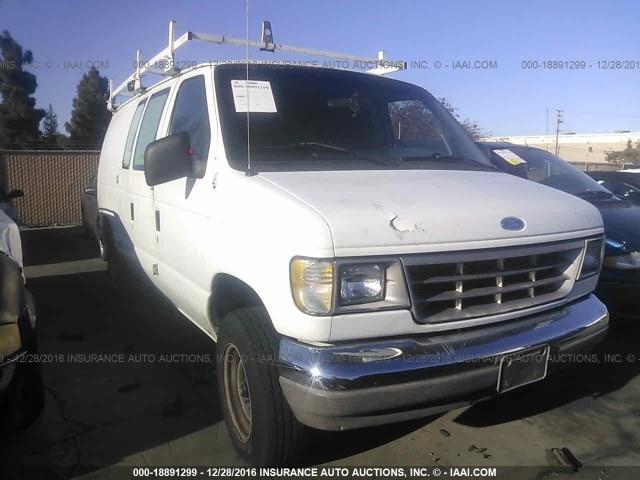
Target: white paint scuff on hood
column 394, row 210
column 10, row 238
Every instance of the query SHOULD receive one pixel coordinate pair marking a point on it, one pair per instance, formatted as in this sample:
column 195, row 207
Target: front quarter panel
column 260, row 229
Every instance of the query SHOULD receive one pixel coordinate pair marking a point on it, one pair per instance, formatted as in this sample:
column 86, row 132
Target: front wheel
column 261, row 425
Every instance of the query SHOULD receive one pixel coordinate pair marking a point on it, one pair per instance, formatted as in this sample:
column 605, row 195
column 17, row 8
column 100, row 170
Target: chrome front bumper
column 353, row 385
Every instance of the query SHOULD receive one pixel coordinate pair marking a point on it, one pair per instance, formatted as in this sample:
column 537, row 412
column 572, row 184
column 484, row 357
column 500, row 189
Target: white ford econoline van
column 353, row 253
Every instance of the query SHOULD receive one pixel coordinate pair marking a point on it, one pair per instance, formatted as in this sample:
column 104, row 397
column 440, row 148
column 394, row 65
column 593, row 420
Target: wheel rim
column 237, row 395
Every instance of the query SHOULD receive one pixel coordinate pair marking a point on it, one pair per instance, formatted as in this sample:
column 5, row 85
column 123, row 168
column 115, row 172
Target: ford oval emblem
column 513, row 224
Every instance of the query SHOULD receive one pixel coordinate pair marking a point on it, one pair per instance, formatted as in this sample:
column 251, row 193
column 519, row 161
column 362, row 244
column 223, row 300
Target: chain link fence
column 52, row 181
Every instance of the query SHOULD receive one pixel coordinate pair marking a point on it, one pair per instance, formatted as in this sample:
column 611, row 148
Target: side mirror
column 15, row 194
column 168, row 159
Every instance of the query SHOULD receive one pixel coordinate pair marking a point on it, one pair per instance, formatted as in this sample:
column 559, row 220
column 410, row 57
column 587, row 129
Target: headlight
column 592, row 261
column 361, row 284
column 619, row 256
column 312, row 285
column 324, row 287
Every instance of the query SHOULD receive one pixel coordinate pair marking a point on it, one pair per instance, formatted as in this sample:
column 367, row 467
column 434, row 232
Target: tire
column 274, row 436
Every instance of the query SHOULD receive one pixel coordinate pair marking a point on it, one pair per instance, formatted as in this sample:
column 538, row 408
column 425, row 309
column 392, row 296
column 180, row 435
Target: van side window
column 191, row 115
column 149, row 127
column 128, row 148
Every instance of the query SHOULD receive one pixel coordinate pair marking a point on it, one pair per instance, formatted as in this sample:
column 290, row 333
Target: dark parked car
column 623, row 184
column 21, row 391
column 89, row 208
column 619, row 285
column 5, row 202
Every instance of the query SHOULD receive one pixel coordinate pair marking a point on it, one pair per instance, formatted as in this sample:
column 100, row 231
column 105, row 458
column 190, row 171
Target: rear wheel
column 261, row 425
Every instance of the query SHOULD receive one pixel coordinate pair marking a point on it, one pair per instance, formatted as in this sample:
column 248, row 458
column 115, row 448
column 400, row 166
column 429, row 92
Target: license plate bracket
column 522, row 368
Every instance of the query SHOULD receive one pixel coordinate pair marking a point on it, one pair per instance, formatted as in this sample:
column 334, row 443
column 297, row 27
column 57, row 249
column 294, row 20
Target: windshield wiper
column 328, row 146
column 449, row 158
column 594, row 194
column 335, row 148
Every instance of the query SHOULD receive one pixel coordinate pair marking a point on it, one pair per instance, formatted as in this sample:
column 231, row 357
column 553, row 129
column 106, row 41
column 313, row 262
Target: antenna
column 248, row 173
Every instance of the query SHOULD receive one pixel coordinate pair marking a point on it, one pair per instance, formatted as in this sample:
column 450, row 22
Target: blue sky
column 67, row 35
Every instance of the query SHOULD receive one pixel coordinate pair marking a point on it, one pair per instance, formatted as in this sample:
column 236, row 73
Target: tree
column 631, row 154
column 412, row 120
column 50, row 125
column 90, row 117
column 19, row 119
column 471, row 126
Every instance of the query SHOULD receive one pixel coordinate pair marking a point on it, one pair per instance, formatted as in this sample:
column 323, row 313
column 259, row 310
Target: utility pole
column 558, row 122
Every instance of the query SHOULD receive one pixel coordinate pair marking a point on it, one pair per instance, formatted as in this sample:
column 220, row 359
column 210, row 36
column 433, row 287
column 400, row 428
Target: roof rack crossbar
column 163, row 63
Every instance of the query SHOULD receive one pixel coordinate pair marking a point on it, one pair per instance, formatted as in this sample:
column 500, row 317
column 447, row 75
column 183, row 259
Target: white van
column 354, row 255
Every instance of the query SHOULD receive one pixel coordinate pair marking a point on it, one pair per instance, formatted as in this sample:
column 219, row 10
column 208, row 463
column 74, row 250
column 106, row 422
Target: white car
column 359, row 263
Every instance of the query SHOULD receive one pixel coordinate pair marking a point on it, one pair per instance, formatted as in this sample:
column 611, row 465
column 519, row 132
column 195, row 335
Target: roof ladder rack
column 163, row 63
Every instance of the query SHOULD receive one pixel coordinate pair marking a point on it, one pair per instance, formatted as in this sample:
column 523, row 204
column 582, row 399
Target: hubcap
column 236, row 391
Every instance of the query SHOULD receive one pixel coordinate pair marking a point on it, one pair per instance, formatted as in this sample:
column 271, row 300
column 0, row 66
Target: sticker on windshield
column 510, row 157
column 253, row 96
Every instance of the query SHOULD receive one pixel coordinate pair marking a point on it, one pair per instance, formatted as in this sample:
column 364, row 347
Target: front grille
column 463, row 285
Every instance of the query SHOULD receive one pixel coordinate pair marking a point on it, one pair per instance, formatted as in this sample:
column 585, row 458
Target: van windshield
column 304, row 118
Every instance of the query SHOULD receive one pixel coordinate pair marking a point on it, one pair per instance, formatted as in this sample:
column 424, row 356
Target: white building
column 576, row 147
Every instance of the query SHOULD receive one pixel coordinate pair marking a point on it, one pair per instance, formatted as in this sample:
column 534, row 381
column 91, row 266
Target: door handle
column 133, row 214
column 157, row 220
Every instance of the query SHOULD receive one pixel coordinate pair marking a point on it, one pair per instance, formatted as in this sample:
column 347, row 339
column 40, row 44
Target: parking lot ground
column 147, row 396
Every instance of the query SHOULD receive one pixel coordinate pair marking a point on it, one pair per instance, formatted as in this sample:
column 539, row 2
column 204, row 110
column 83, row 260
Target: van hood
column 390, row 211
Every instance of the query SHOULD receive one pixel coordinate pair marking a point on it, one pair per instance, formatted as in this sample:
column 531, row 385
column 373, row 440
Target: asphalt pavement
column 129, row 381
